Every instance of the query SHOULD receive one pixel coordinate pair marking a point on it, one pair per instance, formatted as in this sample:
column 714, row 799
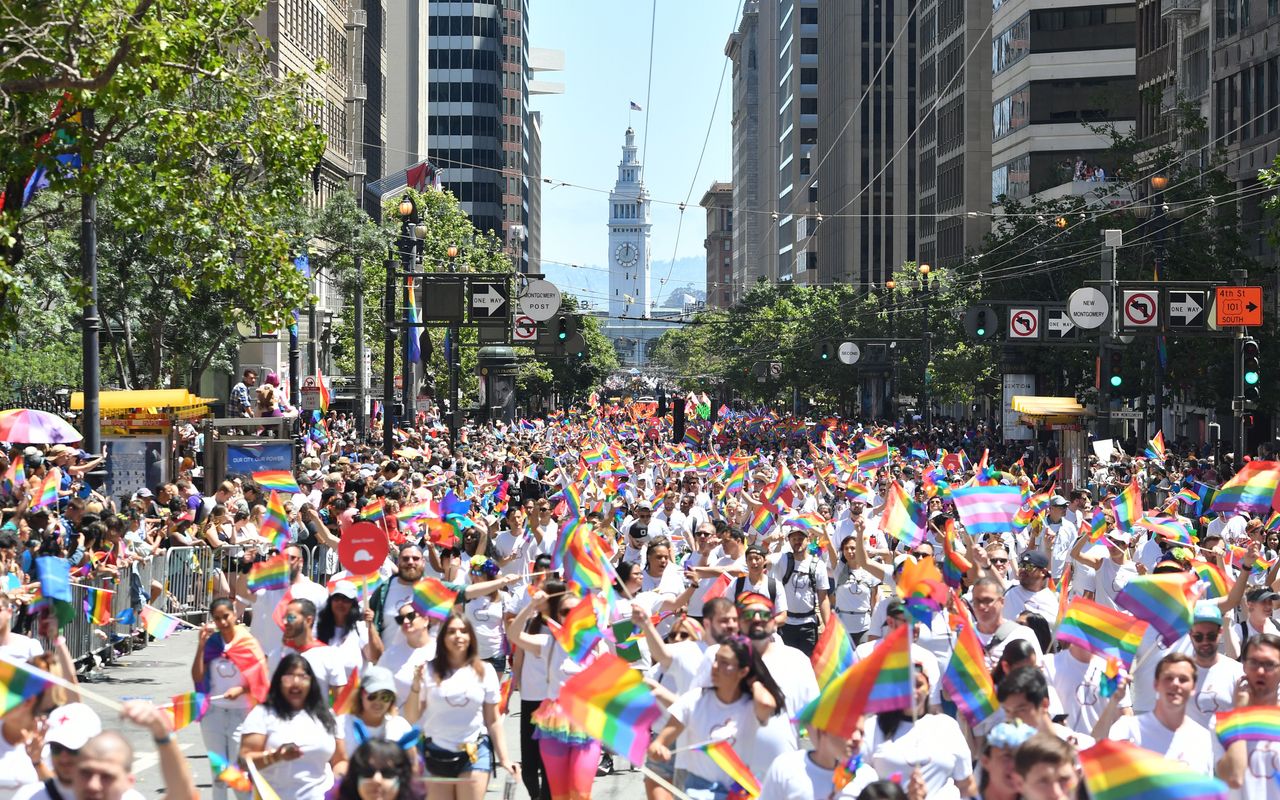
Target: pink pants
column 570, row 768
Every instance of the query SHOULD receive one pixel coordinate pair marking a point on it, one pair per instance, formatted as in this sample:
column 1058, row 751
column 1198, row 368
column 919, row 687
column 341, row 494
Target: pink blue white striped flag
column 987, row 509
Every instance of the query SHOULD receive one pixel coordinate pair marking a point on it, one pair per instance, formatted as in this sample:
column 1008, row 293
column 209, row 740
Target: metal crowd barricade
column 78, row 632
column 188, row 583
column 323, row 563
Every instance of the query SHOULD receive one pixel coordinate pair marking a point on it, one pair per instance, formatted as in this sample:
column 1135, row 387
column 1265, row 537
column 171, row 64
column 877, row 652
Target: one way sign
column 1058, row 325
column 1186, row 309
column 488, row 300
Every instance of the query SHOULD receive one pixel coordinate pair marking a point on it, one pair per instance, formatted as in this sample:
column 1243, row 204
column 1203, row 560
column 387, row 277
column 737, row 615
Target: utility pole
column 1238, row 278
column 388, row 355
column 1111, row 240
column 358, row 345
column 91, row 323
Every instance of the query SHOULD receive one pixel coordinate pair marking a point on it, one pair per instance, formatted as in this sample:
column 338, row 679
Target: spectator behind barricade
column 293, row 737
column 378, row 770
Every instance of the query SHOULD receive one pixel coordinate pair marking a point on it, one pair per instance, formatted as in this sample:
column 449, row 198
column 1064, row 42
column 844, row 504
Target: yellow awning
column 1033, row 406
column 121, row 400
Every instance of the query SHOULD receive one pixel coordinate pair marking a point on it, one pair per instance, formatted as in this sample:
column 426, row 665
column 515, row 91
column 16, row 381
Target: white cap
column 72, row 726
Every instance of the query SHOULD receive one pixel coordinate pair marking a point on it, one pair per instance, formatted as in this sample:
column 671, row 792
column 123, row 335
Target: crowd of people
column 731, row 553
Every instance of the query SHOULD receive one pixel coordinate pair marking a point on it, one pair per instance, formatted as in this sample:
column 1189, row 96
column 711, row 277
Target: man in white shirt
column 1024, row 697
column 804, row 579
column 1077, row 674
column 410, row 564
column 328, row 664
column 1031, row 593
column 993, row 629
column 1167, row 729
column 1057, row 535
column 266, row 601
column 1216, row 675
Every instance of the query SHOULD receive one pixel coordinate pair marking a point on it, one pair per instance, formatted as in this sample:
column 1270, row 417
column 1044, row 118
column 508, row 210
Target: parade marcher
column 410, row 563
column 1046, row 768
column 801, row 775
column 293, row 736
column 328, row 664
column 1168, row 729
column 855, row 588
column 416, row 647
column 803, row 576
column 378, row 770
column 1217, row 675
column 341, row 625
column 489, row 614
column 104, row 766
column 373, row 715
column 1249, row 767
column 264, row 625
column 1031, row 593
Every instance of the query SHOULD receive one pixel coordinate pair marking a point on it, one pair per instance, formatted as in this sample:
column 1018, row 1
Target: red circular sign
column 1023, row 324
column 363, row 548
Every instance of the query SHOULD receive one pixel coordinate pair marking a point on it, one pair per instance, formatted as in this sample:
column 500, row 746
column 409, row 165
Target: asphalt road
column 163, row 669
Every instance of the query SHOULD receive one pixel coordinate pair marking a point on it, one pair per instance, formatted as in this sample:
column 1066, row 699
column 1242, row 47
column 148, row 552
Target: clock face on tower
column 627, row 254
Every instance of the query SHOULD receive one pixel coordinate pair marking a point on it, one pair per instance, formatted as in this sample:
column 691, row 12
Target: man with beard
column 326, row 662
column 396, row 592
column 268, row 603
column 1217, row 676
column 1031, row 593
column 1167, row 729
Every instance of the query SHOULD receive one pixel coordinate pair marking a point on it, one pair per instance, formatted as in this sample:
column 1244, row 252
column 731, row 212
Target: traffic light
column 1115, row 367
column 1250, row 370
column 823, row 351
column 562, row 329
column 981, row 322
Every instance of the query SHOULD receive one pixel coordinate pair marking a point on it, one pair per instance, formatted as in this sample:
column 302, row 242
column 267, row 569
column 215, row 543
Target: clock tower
column 629, row 263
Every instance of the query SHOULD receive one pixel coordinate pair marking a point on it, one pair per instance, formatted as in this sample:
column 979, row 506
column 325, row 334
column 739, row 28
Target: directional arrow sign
column 1140, row 308
column 487, row 300
column 1024, row 323
column 1058, row 324
column 1186, row 309
column 1239, row 305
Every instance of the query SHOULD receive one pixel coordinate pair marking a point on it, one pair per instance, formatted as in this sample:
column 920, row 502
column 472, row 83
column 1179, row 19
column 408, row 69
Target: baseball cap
column 72, row 726
column 755, row 548
column 1208, row 612
column 377, row 679
column 1058, row 500
column 1261, row 595
column 346, row 589
column 1033, row 558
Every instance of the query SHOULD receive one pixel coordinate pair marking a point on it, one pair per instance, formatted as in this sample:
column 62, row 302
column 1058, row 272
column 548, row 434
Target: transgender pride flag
column 987, row 509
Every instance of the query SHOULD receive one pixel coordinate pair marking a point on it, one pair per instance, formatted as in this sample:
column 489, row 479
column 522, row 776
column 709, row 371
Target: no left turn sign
column 524, row 329
column 1024, row 323
column 1141, row 308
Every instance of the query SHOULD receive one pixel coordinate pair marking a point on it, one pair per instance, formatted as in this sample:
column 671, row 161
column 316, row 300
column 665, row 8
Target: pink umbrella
column 29, row 426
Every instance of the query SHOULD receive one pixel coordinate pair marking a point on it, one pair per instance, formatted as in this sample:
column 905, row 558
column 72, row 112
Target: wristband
column 162, row 740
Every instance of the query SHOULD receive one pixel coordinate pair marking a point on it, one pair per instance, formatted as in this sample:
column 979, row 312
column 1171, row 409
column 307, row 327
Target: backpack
column 791, row 570
column 739, row 584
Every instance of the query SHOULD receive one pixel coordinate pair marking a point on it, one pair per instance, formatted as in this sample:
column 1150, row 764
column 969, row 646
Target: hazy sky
column 606, row 47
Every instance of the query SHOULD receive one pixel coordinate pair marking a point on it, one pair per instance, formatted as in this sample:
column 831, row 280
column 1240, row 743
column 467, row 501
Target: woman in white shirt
column 293, row 737
column 454, row 699
column 374, row 715
column 489, row 614
column 742, row 697
column 856, row 587
column 340, row 624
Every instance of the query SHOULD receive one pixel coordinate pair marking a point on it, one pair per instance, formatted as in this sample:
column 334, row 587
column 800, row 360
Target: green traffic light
column 1251, row 378
column 982, row 331
column 1116, row 380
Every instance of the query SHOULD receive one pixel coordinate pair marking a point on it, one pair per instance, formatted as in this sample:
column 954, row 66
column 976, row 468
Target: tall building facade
column 749, row 199
column 629, row 232
column 797, row 106
column 864, row 169
column 368, row 28
column 718, row 201
column 954, row 143
column 1055, row 67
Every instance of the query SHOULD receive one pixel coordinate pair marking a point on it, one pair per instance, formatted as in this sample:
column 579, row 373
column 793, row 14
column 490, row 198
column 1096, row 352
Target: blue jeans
column 699, row 788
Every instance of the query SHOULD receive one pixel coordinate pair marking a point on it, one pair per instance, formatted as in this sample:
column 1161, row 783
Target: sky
column 606, row 47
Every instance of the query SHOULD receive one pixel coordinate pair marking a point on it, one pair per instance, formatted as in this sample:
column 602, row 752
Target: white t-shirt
column 706, row 719
column 391, row 728
column 1077, row 685
column 398, row 594
column 487, row 616
column 1017, row 632
column 933, row 742
column 306, row 778
column 805, row 588
column 533, row 670
column 350, row 645
column 1191, row 743
column 1110, row 578
column 264, row 627
column 16, row 770
column 455, row 706
column 402, row 660
column 328, row 663
column 20, row 648
column 794, row 776
column 852, row 601
column 223, row 674
column 793, row 672
column 1259, row 775
column 1018, row 599
column 779, row 602
column 717, row 558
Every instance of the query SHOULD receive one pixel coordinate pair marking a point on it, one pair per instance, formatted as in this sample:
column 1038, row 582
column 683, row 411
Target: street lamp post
column 925, row 288
column 891, row 352
column 454, row 364
column 1158, row 184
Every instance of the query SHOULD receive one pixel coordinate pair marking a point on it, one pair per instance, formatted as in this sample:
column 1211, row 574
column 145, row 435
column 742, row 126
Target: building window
column 1011, row 45
column 1011, row 112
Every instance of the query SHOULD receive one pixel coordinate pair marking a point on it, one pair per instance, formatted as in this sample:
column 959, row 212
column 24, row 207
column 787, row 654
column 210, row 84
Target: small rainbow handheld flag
column 1119, row 770
column 1128, row 507
column 1169, row 528
column 1164, row 600
column 723, row 754
column 344, row 697
column 834, row 652
column 48, row 494
column 17, row 684
column 880, row 682
column 610, row 702
column 1156, row 447
column 902, row 518
column 277, row 480
column 374, row 510
column 1187, row 495
column 967, row 680
column 275, row 524
column 874, row 457
column 1101, row 630
column 954, row 565
column 1248, row 724
column 1252, row 489
column 229, row 773
column 158, row 623
column 185, row 709
column 1212, row 575
column 270, row 575
column 579, row 634
column 97, row 607
column 433, row 598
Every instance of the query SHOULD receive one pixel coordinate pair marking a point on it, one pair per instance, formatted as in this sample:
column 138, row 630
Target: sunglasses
column 62, row 750
column 1003, row 561
column 1205, row 637
column 381, row 697
column 758, row 613
column 408, row 616
column 681, row 636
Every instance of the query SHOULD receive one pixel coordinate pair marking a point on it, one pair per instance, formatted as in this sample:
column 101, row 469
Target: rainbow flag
column 579, row 634
column 1097, row 525
column 833, row 653
column 275, row 523
column 374, row 510
column 609, row 701
column 1119, row 770
column 433, row 598
column 987, row 509
column 728, row 760
column 810, row 521
column 1169, row 528
column 270, row 575
column 954, row 565
column 1156, row 448
column 1252, row 489
column 1187, row 495
column 1128, row 507
column 1164, row 600
column 185, row 709
column 1248, row 724
column 1101, row 630
column 17, row 684
column 760, row 520
column 1109, row 682
column 229, row 773
column 1031, row 509
column 158, row 623
column 344, row 697
column 48, row 495
column 967, row 680
column 278, row 480
column 16, row 475
column 97, row 607
column 902, row 518
column 880, row 682
column 1212, row 575
column 1273, row 521
column 1064, row 590
column 504, row 694
column 874, row 457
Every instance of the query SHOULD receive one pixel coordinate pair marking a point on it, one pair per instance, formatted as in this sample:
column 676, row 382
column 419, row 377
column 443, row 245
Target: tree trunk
column 198, row 368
